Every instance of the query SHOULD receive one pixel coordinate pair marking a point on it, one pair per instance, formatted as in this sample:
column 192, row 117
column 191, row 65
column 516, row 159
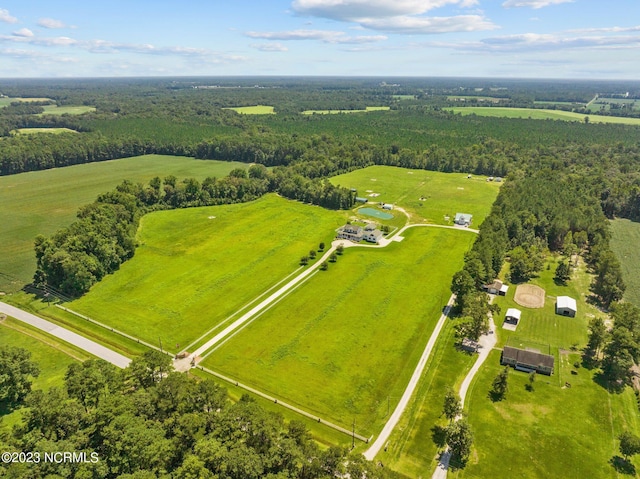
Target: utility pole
column 353, row 434
column 160, row 339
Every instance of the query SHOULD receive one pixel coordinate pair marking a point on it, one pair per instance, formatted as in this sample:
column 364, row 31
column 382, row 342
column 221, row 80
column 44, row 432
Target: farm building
column 372, row 236
column 497, row 287
column 463, row 219
column 527, row 360
column 470, row 345
column 360, row 199
column 387, row 206
column 351, row 232
column 512, row 316
column 566, row 306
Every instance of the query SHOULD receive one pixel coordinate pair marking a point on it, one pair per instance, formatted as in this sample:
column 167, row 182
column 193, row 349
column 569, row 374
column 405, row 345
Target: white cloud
column 269, row 47
column 23, row 32
column 326, row 36
column 607, row 30
column 533, row 3
column 428, row 25
column 51, row 23
column 6, row 17
column 352, row 10
column 16, row 53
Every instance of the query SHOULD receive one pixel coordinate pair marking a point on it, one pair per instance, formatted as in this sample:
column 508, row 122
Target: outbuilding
column 566, row 306
column 512, row 316
column 463, row 219
column 387, row 206
column 360, row 199
column 527, row 360
column 497, row 287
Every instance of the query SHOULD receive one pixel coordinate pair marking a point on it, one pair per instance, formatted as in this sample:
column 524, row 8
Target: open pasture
column 35, row 131
column 625, row 239
column 443, row 194
column 552, row 431
column 195, row 267
column 40, row 202
column 66, row 110
column 6, row 101
column 253, row 110
column 333, row 112
column 535, row 114
column 346, row 342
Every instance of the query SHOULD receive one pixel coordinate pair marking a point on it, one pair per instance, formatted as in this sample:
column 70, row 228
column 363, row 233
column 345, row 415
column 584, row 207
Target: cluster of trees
column 618, row 349
column 148, row 421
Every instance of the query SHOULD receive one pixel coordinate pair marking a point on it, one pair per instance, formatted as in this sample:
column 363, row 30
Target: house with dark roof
column 527, row 360
column 351, row 232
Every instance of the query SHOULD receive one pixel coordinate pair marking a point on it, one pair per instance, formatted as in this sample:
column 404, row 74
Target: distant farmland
column 625, row 239
column 253, row 110
column 331, row 112
column 540, row 114
column 66, row 110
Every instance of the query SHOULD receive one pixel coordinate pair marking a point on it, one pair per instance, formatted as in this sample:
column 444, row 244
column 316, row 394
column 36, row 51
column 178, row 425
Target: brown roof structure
column 527, row 359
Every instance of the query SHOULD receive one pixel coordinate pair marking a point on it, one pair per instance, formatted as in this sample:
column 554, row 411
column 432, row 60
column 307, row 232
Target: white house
column 566, row 306
column 351, row 232
column 512, row 316
column 463, row 219
column 372, row 236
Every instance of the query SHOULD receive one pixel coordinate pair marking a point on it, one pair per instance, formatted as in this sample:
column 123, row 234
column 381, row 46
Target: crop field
column 332, row 112
column 346, row 342
column 443, row 194
column 552, row 431
column 35, row 131
column 66, row 110
column 536, row 114
column 40, row 202
column 624, row 243
column 195, row 267
column 253, row 110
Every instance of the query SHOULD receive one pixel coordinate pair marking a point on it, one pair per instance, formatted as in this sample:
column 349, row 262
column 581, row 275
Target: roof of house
column 370, row 226
column 375, row 233
column 497, row 284
column 566, row 302
column 513, row 313
column 463, row 217
column 528, row 357
column 353, row 229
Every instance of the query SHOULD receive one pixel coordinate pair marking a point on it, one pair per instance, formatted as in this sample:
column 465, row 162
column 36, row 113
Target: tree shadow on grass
column 615, row 387
column 495, row 396
column 439, row 435
column 622, row 466
column 457, row 462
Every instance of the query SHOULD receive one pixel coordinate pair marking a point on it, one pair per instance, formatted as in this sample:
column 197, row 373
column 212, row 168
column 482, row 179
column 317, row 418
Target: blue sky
column 582, row 39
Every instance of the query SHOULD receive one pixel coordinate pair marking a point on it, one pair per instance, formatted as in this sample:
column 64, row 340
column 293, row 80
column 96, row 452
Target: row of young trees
column 147, row 421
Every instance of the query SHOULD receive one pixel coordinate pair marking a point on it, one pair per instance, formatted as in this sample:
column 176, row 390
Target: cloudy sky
column 493, row 38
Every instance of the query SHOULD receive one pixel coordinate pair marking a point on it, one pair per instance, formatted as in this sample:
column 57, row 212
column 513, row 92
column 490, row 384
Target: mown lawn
column 624, row 242
column 40, row 202
column 541, row 114
column 553, row 431
column 349, row 338
column 445, row 194
column 195, row 267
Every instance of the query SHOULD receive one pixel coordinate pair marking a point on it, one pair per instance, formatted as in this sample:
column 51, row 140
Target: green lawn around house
column 195, row 267
column 351, row 336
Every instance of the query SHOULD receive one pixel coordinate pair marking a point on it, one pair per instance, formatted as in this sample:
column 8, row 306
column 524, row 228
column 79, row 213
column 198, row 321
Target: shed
column 497, row 287
column 387, row 206
column 360, row 199
column 463, row 219
column 566, row 306
column 512, row 316
column 470, row 345
column 527, row 360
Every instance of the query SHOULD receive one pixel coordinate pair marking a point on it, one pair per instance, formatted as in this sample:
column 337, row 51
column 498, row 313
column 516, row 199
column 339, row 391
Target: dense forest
column 148, row 421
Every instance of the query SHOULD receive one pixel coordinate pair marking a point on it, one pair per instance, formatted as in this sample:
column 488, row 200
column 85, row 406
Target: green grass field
column 43, row 201
column 332, row 112
column 5, row 101
column 351, row 336
column 553, row 431
column 66, row 110
column 35, row 131
column 195, row 267
column 624, row 242
column 443, row 193
column 541, row 114
column 253, row 110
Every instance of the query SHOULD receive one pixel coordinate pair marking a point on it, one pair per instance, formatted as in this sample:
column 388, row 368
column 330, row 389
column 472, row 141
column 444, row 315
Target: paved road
column 66, row 335
column 487, row 342
column 383, row 437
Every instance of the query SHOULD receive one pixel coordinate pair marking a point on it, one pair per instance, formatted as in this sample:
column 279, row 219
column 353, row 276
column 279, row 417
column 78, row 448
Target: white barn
column 566, row 306
column 512, row 316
